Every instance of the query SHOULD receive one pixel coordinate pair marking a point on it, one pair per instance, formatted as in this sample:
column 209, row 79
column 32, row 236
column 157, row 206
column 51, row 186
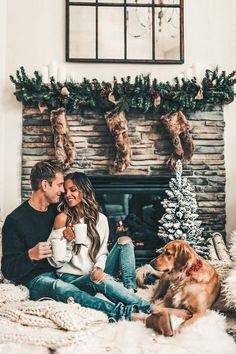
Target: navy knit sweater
column 24, row 228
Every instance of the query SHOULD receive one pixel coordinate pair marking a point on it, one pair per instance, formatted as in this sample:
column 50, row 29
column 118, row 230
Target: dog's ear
column 182, row 256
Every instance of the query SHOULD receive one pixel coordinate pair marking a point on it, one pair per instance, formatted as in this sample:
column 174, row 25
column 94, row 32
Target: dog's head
column 177, row 255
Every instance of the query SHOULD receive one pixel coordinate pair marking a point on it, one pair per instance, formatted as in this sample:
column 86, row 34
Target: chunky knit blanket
column 60, row 324
column 10, row 293
column 52, row 314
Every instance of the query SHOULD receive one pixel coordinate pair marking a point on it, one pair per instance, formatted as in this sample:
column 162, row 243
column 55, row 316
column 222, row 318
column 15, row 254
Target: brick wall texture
column 151, row 148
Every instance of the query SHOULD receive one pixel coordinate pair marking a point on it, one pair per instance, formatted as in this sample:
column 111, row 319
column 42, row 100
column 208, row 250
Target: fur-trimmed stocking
column 118, row 127
column 65, row 150
column 178, row 129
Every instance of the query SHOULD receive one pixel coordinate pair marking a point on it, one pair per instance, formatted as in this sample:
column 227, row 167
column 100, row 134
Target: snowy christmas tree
column 180, row 220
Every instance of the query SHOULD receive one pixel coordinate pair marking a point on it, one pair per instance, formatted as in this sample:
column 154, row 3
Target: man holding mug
column 26, row 229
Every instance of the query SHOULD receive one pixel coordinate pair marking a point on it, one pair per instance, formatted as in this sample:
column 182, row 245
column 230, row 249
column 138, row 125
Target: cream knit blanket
column 10, row 292
column 52, row 314
column 46, row 323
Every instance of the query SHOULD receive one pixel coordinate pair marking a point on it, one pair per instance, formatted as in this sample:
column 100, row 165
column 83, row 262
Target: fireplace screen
column 136, row 201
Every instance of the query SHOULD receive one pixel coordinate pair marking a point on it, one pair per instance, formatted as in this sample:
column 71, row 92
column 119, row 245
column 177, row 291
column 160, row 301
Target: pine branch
column 217, row 89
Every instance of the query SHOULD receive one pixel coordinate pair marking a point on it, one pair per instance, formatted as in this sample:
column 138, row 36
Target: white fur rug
column 206, row 336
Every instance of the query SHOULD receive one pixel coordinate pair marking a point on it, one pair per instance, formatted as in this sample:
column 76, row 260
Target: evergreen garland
column 180, row 219
column 217, row 89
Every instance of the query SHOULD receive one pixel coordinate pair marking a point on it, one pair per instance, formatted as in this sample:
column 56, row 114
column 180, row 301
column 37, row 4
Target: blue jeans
column 121, row 259
column 82, row 289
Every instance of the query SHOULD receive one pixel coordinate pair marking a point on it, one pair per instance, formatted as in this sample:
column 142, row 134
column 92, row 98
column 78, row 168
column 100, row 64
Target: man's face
column 54, row 189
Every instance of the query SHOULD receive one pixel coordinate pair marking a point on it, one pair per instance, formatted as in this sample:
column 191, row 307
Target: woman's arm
column 103, row 230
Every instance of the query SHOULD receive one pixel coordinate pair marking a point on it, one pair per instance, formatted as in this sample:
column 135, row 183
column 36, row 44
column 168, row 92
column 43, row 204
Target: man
column 25, row 252
column 26, row 229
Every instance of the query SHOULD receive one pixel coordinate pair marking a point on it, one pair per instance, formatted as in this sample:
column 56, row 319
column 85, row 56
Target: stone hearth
column 151, row 148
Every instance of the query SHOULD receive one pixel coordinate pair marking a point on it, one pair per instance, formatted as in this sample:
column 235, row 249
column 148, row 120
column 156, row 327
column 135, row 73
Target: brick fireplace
column 151, row 148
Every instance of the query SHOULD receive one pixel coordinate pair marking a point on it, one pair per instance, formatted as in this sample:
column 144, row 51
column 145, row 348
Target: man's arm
column 17, row 260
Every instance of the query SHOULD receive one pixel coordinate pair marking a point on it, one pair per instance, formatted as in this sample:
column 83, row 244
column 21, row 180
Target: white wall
column 35, row 37
column 3, row 9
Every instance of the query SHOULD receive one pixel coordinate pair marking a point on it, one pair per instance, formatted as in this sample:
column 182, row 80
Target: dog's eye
column 167, row 253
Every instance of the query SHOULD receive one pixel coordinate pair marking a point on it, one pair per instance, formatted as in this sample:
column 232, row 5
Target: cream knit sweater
column 81, row 263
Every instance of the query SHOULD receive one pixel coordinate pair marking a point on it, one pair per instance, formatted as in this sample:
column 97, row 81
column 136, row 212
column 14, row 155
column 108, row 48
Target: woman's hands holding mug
column 68, row 233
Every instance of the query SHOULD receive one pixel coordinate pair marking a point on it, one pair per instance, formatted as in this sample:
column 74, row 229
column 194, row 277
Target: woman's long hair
column 90, row 209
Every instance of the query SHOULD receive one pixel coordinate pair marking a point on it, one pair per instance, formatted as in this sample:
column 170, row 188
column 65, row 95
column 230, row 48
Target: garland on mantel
column 116, row 98
column 144, row 94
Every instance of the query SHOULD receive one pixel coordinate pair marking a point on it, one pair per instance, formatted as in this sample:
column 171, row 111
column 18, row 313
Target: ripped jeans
column 82, row 288
column 121, row 260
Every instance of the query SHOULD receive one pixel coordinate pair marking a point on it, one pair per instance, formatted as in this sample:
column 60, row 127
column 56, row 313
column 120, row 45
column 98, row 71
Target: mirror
column 125, row 31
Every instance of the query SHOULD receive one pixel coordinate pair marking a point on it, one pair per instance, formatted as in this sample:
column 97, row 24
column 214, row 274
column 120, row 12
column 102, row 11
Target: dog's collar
column 194, row 268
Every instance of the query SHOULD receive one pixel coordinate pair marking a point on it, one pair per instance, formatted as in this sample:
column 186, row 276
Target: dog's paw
column 182, row 313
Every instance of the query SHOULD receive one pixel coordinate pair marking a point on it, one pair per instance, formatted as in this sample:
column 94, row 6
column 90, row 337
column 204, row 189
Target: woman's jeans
column 121, row 260
column 82, row 289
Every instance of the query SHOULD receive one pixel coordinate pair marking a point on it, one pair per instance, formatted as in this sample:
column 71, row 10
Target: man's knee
column 64, row 292
column 124, row 239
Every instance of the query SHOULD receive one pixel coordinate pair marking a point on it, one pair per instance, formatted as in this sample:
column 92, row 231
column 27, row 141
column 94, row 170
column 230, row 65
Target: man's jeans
column 82, row 289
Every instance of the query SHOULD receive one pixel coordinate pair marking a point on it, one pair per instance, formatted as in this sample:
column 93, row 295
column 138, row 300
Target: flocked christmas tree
column 180, row 220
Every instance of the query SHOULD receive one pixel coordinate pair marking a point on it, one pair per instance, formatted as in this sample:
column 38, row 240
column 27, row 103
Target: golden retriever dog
column 188, row 281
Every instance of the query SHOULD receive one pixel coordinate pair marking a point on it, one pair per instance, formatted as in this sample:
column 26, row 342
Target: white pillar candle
column 188, row 73
column 44, row 74
column 180, row 77
column 69, row 77
column 74, row 76
column 197, row 71
column 61, row 74
column 53, row 70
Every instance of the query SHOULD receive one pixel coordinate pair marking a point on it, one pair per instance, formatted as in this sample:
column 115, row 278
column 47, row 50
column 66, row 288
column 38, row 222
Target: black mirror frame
column 125, row 61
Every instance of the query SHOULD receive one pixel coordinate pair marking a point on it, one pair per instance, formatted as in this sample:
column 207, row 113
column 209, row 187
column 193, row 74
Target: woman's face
column 73, row 196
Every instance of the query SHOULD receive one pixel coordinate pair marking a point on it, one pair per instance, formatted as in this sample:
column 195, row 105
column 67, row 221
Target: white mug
column 81, row 234
column 58, row 249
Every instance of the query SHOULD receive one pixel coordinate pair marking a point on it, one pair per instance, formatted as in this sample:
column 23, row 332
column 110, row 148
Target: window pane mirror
column 125, row 31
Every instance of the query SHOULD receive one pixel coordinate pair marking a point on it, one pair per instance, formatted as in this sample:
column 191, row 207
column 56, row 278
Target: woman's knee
column 98, row 275
column 124, row 239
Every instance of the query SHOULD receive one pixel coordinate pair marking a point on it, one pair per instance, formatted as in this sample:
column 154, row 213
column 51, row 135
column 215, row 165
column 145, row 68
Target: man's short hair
column 44, row 170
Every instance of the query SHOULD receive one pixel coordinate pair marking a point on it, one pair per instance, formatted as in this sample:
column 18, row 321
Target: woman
column 80, row 206
column 86, row 264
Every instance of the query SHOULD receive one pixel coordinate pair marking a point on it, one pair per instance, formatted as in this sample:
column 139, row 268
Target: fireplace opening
column 136, row 201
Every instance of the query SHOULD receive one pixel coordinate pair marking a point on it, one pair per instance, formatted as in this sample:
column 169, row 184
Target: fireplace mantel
column 151, row 148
